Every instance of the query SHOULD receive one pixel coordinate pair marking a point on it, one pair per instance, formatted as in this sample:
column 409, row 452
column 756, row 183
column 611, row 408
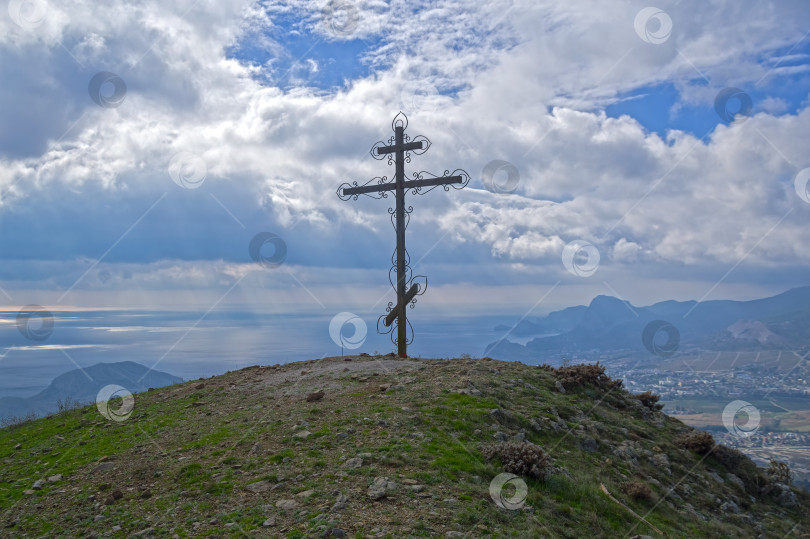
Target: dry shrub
column 585, row 375
column 520, row 458
column 731, row 459
column 650, row 400
column 699, row 441
column 14, row 421
column 740, row 465
column 637, row 490
column 779, row 472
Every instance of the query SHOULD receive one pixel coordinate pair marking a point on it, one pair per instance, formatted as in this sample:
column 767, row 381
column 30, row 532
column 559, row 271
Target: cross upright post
column 398, row 151
column 400, row 209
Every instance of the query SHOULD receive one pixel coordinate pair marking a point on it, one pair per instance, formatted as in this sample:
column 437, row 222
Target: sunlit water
column 191, row 345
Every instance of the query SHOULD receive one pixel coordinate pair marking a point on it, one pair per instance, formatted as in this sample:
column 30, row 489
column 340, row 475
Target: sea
column 194, row 345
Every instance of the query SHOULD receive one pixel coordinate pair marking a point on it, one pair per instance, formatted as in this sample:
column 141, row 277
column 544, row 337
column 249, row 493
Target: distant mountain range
column 83, row 385
column 609, row 325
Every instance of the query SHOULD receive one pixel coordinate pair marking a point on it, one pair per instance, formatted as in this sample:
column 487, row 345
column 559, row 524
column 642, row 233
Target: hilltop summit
column 368, row 446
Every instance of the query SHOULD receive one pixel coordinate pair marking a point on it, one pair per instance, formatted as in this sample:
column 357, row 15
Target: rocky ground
column 368, row 446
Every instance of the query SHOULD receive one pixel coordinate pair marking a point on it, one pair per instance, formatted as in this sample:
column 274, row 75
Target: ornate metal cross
column 399, row 150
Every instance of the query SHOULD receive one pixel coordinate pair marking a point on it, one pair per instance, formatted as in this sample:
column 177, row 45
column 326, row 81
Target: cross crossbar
column 410, row 184
column 406, row 147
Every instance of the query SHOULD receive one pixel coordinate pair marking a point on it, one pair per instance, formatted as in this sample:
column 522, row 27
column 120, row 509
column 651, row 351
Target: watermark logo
column 800, row 183
column 496, row 182
column 732, row 104
column 107, row 90
column 419, row 96
column 339, row 336
column 340, row 17
column 27, row 14
column 108, row 396
column 258, row 249
column 653, row 25
column 35, row 322
column 188, row 170
column 508, row 491
column 732, row 422
column 580, row 258
column 651, row 337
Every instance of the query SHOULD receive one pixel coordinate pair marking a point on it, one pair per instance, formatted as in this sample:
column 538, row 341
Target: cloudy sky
column 144, row 144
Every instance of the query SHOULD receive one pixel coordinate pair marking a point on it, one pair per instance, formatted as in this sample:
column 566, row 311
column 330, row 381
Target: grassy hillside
column 393, row 448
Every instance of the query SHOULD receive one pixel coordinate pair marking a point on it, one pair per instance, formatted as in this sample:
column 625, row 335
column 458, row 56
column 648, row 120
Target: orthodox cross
column 399, row 150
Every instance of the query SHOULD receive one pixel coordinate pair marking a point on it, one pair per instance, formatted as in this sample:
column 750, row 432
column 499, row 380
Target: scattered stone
column 520, row 436
column 318, row 395
column 305, row 494
column 259, row 486
column 589, row 445
column 38, row 484
column 143, row 532
column 627, row 451
column 55, row 478
column 256, row 449
column 661, row 461
column 381, row 487
column 355, row 462
column 28, row 492
column 18, row 446
column 146, row 494
column 730, row 507
column 559, row 386
column 453, row 534
column 114, row 496
column 341, row 502
column 786, row 497
column 286, row 504
column 500, row 436
column 501, row 416
column 716, row 477
column 269, row 523
column 103, row 467
column 337, row 532
column 384, row 387
column 342, row 435
column 734, row 480
column 302, row 434
column 410, row 482
column 199, row 386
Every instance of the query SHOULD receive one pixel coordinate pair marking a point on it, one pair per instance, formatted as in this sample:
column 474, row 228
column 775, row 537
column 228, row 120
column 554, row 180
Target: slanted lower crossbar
column 395, row 311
